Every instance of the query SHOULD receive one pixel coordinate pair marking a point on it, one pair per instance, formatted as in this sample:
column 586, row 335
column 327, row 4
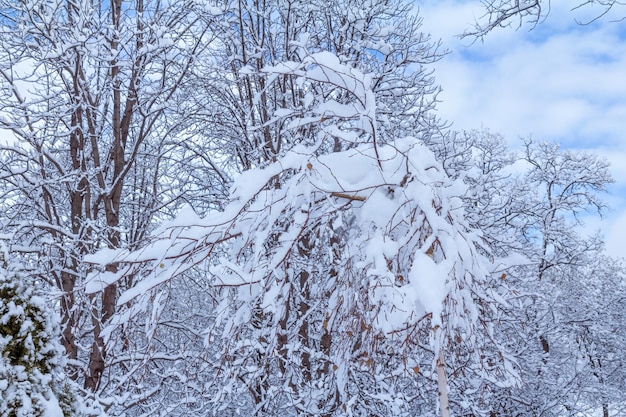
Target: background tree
column 533, row 202
column 89, row 94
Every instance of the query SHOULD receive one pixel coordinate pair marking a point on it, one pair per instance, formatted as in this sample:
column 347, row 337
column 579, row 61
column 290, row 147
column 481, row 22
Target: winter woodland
column 251, row 208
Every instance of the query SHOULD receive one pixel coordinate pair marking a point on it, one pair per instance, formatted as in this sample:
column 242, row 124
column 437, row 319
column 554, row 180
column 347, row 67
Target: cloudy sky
column 561, row 82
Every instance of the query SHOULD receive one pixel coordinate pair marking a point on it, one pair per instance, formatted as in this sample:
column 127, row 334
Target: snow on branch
column 408, row 241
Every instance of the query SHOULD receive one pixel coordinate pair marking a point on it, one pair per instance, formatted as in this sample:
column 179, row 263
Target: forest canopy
column 252, row 208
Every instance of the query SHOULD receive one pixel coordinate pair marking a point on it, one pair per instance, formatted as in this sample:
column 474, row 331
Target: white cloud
column 552, row 88
column 615, row 236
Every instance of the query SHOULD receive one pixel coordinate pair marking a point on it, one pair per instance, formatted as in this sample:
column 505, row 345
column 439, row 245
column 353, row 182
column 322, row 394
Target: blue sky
column 559, row 82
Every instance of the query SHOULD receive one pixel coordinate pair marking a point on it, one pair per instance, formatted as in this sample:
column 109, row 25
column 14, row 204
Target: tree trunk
column 442, row 382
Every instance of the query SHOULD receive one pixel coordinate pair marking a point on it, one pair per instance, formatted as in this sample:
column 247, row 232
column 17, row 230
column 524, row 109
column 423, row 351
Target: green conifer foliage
column 31, row 378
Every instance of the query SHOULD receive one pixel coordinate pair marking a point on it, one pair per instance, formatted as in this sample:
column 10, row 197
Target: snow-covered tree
column 89, row 156
column 32, row 378
column 532, row 202
column 340, row 252
column 342, row 266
